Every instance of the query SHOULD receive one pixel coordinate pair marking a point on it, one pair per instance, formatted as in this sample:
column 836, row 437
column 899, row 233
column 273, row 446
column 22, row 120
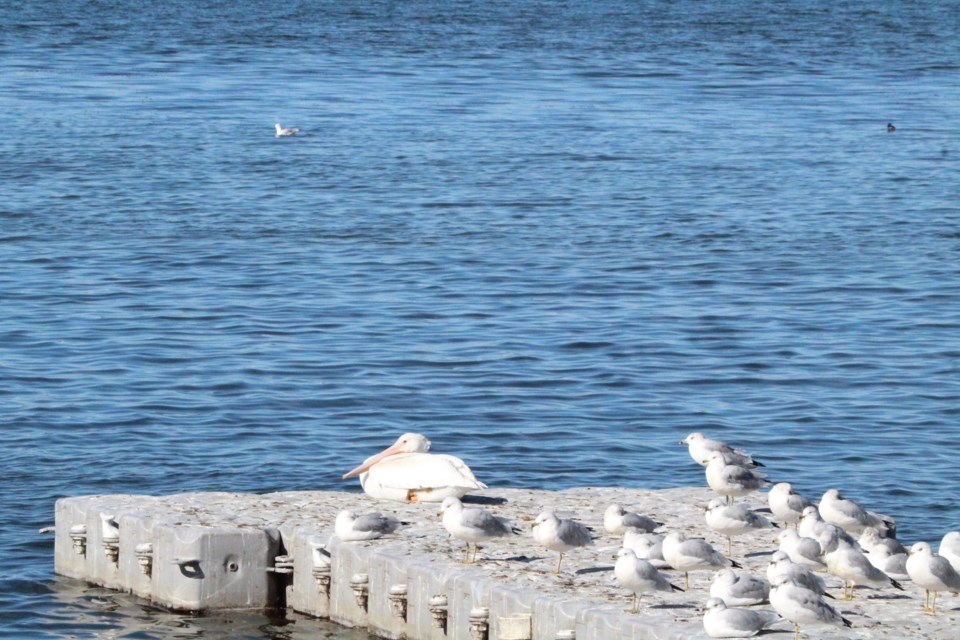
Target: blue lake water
column 554, row 237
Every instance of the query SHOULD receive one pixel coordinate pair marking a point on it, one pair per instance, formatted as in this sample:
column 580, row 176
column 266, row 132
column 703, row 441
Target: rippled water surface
column 554, row 237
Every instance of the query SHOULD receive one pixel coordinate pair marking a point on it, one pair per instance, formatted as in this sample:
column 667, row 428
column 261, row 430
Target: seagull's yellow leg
column 686, row 581
column 796, row 632
column 933, row 609
column 558, row 563
column 636, row 605
column 466, row 560
column 729, row 546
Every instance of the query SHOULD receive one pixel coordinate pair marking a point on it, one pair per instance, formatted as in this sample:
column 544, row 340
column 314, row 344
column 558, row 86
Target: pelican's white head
column 407, row 443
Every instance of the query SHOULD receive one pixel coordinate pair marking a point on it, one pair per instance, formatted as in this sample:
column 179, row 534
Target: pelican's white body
column 405, row 472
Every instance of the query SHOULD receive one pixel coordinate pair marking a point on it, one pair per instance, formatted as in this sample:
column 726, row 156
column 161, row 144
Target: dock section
column 222, row 551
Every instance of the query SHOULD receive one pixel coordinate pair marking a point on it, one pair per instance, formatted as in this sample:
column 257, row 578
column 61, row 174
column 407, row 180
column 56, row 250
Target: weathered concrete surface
column 512, row 579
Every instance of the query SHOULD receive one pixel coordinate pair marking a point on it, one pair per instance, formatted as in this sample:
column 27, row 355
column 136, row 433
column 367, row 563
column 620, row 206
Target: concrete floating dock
column 221, row 551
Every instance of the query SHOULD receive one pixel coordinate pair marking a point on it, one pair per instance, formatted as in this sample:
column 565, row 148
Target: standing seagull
column 281, row 132
column 639, row 576
column 349, row 527
column 560, row 535
column 616, row 521
column 472, row 524
column 692, row 554
column 850, row 564
column 787, row 505
column 932, row 572
column 700, row 447
column 719, row 621
column 731, row 480
column 404, row 471
column 734, row 520
column 802, row 606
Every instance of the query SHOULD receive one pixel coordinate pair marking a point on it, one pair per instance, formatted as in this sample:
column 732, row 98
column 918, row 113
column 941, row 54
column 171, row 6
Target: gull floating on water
column 282, row 132
column 801, row 550
column 616, row 521
column 787, row 505
column 850, row 516
column 734, row 520
column 647, row 546
column 781, row 566
column 850, row 564
column 404, row 471
column 731, row 480
column 692, row 554
column 472, row 524
column 700, row 447
column 799, row 605
column 639, row 576
column 739, row 588
column 950, row 549
column 560, row 535
column 721, row 621
column 350, row 527
column 932, row 572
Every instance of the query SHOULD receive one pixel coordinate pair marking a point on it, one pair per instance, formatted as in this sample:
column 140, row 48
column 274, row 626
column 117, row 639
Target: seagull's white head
column 450, row 502
column 715, row 604
column 921, row 547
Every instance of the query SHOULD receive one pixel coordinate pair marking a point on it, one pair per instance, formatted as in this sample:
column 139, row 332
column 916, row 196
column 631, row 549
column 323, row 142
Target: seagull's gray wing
column 643, row 523
column 574, row 533
column 376, row 522
column 485, row 521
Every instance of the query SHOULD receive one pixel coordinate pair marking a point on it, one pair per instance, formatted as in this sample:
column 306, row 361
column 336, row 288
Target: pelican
column 405, row 472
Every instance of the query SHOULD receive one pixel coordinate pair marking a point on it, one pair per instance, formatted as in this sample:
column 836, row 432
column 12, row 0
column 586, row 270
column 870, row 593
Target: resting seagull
column 350, row 527
column 721, row 621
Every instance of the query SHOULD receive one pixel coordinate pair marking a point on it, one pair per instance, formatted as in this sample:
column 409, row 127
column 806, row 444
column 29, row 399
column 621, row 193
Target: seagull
column 616, row 520
column 892, row 564
column 647, row 546
column 281, row 132
column 871, row 539
column 850, row 516
column 801, row 550
column 472, row 524
column 700, row 448
column 560, row 535
column 950, row 549
column 719, row 621
column 781, row 566
column 932, row 572
column 692, row 554
column 739, row 588
column 813, row 526
column 850, row 564
column 786, row 505
column 731, row 480
column 734, row 520
column 404, row 471
column 350, row 527
column 890, row 127
column 639, row 576
column 802, row 606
